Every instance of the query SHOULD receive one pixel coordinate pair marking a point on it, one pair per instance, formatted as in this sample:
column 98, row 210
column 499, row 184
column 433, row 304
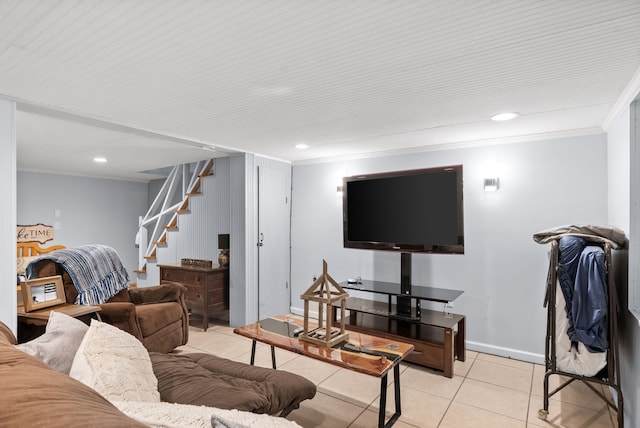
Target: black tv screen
column 407, row 211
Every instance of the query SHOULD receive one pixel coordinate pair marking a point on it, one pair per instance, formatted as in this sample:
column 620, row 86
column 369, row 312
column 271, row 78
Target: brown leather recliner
column 157, row 315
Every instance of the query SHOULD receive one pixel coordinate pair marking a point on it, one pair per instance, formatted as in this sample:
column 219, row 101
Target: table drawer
column 426, row 354
column 195, row 295
column 184, row 277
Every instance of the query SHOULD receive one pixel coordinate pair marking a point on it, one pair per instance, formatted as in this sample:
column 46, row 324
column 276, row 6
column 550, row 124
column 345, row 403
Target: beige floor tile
column 505, row 361
column 463, row 416
column 263, row 356
column 425, row 380
column 356, row 388
column 567, row 415
column 324, row 411
column 369, row 419
column 230, row 347
column 314, row 370
column 185, row 349
column 418, row 408
column 461, row 368
column 486, row 390
column 494, row 398
column 575, row 393
column 498, row 374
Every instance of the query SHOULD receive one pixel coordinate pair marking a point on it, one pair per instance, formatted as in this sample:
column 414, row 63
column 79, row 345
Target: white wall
column 619, row 147
column 243, row 264
column 92, row 210
column 503, row 271
column 8, row 312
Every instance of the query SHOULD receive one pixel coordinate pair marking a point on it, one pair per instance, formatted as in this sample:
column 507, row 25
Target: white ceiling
column 148, row 84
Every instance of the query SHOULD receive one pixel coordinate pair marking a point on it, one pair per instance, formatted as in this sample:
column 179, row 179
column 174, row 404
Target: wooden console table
column 207, row 288
column 363, row 353
column 438, row 337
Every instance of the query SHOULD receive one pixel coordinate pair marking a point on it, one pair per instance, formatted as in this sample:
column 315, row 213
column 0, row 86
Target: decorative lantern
column 325, row 291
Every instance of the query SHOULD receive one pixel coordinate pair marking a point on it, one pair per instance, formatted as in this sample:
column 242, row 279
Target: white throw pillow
column 114, row 363
column 59, row 343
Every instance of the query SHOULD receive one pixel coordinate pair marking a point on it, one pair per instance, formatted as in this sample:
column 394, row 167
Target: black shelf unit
column 437, row 336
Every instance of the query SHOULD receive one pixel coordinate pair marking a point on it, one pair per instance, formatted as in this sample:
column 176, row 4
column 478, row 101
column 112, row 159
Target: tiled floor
column 486, row 391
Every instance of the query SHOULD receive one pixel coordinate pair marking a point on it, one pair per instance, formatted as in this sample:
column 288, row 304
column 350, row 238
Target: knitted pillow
column 115, row 364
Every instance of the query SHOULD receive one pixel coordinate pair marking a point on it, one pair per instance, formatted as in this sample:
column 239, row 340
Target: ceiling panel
column 261, row 75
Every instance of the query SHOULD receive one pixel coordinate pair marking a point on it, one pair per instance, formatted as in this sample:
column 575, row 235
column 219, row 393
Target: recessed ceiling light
column 505, row 116
column 99, row 160
column 301, row 146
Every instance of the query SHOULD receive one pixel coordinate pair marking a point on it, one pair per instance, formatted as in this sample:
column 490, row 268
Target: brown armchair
column 157, row 315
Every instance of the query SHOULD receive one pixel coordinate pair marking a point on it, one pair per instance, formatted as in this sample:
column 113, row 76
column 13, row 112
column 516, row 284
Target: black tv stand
column 438, row 336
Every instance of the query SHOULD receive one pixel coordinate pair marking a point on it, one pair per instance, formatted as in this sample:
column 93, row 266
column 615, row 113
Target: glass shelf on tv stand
column 432, row 294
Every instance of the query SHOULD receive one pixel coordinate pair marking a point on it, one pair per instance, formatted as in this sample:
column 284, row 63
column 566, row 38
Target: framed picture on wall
column 42, row 293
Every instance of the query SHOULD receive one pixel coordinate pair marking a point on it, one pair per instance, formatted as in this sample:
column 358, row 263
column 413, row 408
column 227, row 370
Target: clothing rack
column 609, row 375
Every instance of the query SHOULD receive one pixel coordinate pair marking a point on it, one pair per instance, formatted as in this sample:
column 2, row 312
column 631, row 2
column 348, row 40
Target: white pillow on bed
column 116, row 364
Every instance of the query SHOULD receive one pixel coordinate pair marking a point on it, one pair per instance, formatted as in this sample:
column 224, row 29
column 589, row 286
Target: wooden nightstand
column 207, row 288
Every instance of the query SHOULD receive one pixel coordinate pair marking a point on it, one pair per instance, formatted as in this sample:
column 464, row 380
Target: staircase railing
column 172, row 199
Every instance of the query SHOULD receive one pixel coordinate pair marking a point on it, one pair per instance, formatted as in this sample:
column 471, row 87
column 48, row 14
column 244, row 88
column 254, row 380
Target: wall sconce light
column 491, row 184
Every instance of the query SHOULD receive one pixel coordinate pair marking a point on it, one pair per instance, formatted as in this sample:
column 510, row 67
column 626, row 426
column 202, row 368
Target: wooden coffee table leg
column 383, row 399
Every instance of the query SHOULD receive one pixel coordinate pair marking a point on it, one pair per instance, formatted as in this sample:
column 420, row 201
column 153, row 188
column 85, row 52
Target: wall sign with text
column 34, row 233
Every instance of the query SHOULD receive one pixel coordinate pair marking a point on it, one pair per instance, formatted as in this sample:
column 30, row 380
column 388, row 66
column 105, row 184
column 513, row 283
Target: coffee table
column 371, row 355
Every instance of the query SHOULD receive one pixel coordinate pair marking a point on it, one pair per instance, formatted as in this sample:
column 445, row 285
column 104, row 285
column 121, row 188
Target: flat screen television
column 413, row 211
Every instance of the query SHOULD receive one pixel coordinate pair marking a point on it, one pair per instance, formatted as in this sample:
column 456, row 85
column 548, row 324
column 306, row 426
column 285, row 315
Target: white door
column 274, row 295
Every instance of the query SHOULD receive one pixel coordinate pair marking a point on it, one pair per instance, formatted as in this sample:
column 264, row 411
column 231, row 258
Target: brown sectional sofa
column 34, row 395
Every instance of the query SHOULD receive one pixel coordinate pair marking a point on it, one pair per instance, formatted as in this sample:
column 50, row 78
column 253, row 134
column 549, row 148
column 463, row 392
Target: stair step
column 181, row 211
column 195, row 192
column 160, row 243
column 185, row 203
column 140, row 270
column 150, row 257
column 171, row 227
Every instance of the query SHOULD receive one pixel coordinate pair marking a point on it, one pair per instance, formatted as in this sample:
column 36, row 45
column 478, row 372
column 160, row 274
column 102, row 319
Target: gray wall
column 8, row 312
column 92, row 210
column 619, row 146
column 243, row 264
column 503, row 271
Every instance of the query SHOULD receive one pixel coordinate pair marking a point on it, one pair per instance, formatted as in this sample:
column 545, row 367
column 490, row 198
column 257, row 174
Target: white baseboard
column 500, row 351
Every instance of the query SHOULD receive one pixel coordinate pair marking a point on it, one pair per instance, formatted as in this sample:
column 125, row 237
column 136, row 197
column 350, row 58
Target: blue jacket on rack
column 582, row 276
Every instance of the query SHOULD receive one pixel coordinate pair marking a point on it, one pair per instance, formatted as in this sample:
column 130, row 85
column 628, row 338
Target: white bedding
column 580, row 361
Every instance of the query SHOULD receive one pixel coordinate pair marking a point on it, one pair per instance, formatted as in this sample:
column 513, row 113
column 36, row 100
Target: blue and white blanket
column 96, row 271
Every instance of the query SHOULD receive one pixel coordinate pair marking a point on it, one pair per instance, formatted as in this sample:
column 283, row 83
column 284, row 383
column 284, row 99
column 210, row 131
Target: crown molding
column 630, row 93
column 458, row 145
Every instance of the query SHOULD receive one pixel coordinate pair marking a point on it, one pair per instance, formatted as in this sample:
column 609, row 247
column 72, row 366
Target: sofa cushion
column 207, row 380
column 6, row 335
column 154, row 317
column 115, row 364
column 58, row 345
